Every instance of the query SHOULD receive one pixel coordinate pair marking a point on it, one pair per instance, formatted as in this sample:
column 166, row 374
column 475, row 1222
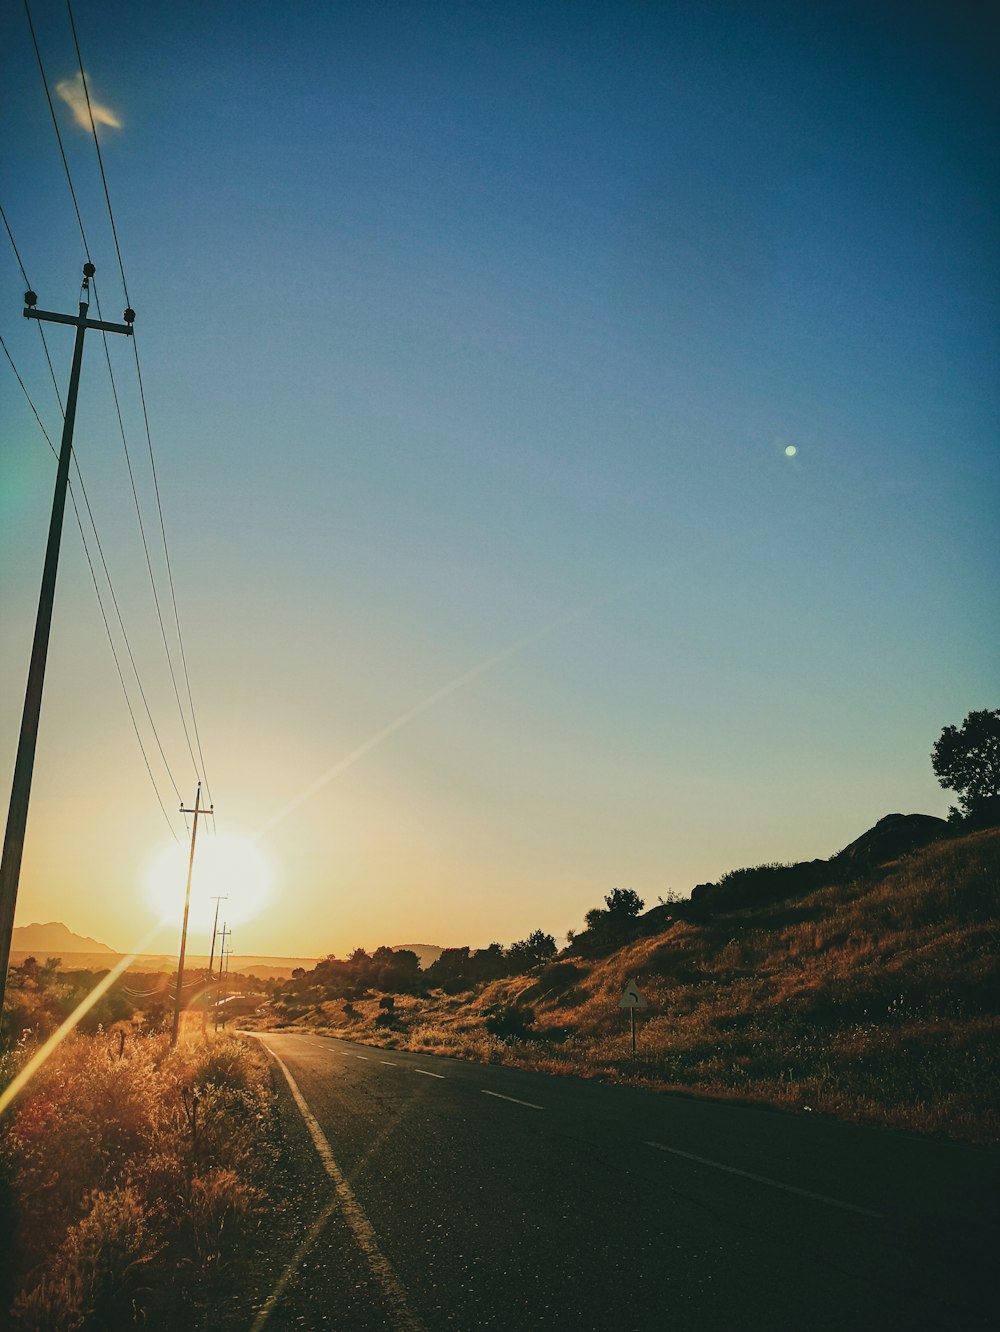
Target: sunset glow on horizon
column 227, row 865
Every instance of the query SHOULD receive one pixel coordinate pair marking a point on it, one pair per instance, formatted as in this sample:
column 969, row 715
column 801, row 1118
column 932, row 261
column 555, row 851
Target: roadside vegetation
column 130, row 1178
column 867, row 987
column 41, row 995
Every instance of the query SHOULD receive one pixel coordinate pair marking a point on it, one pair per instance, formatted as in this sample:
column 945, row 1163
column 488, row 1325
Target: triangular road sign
column 631, row 998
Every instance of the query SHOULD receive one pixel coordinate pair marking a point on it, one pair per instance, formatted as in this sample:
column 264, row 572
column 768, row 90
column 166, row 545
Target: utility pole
column 187, row 903
column 17, row 818
column 221, row 897
column 215, row 929
column 223, row 961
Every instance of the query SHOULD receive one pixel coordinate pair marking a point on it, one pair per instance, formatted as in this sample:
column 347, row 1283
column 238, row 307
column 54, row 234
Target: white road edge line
column 429, row 1075
column 403, row 1317
column 513, row 1099
column 773, row 1183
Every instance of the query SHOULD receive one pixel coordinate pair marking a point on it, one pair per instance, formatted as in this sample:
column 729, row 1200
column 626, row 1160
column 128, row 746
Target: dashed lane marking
column 389, row 1063
column 513, row 1099
column 365, row 1057
column 401, row 1314
column 772, row 1183
column 426, row 1074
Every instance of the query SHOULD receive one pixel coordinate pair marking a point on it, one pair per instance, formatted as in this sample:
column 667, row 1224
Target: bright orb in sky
column 791, row 451
column 224, row 863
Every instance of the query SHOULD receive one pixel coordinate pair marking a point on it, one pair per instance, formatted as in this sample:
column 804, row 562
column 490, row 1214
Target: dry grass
column 874, row 1001
column 124, row 1163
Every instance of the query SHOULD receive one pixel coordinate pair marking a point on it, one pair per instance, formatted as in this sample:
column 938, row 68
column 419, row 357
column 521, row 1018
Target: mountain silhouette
column 53, row 939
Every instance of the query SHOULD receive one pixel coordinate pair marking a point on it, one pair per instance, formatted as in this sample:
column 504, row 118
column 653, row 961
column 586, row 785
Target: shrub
column 123, row 1161
column 98, row 1272
column 510, row 1022
column 221, row 1205
column 525, row 953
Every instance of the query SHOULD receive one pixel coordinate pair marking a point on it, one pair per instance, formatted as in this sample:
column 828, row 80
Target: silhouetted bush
column 759, row 884
column 511, row 1022
column 526, row 953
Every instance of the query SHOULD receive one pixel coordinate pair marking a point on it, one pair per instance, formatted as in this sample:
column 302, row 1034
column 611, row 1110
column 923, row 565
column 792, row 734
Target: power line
column 93, row 524
column 166, row 553
column 100, row 603
column 121, row 624
column 145, row 414
column 170, row 578
column 100, row 159
column 28, row 396
column 118, row 668
column 145, row 548
column 41, row 330
column 55, row 126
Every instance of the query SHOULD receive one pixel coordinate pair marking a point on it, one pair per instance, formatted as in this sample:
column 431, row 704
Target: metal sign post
column 632, row 999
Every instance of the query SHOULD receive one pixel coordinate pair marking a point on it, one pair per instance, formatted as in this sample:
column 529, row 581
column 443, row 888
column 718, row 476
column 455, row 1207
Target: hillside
column 873, row 996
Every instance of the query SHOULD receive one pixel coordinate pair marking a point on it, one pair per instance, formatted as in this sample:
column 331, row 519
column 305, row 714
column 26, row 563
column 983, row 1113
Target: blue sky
column 465, row 326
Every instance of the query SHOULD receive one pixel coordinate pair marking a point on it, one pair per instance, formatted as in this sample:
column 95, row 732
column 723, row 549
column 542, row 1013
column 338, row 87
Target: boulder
column 894, row 836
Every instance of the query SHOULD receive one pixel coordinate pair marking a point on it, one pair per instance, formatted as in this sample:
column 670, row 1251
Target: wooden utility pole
column 17, row 818
column 187, row 903
column 223, row 962
column 215, row 929
column 220, row 897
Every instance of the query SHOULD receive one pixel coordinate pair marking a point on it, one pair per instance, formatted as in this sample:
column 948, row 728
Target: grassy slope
column 877, row 1000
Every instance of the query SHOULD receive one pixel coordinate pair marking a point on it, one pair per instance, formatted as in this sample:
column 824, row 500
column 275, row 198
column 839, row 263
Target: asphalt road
column 450, row 1195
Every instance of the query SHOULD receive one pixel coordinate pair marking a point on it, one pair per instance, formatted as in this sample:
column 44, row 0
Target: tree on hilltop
column 620, row 906
column 623, row 903
column 525, row 953
column 967, row 761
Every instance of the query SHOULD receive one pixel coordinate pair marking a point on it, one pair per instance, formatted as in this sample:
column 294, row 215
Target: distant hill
column 427, row 953
column 53, row 940
column 269, row 968
column 77, row 952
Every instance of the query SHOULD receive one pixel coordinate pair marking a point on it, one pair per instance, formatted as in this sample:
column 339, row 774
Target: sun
column 227, row 865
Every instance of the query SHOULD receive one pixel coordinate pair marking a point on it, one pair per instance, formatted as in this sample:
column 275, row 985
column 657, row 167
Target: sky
column 575, row 430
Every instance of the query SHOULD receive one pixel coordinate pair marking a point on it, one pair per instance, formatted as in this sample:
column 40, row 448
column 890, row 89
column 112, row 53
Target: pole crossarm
column 81, row 320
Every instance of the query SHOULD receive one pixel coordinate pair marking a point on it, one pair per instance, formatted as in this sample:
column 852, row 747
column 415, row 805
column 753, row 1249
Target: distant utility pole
column 221, row 897
column 187, row 903
column 215, row 929
column 17, row 818
column 223, row 961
